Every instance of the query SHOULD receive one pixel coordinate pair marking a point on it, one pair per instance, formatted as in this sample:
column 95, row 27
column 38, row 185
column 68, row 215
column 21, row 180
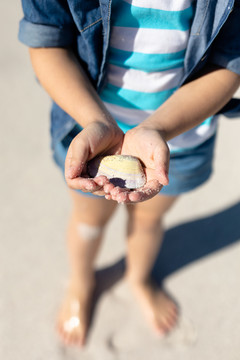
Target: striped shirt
column 146, row 63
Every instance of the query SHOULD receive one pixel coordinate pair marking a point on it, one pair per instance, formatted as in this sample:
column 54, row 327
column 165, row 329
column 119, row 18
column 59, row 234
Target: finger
column 122, row 198
column 108, row 188
column 98, row 193
column 127, row 196
column 101, row 180
column 120, row 194
column 86, row 185
column 77, row 156
column 147, row 192
column 108, row 197
column 118, row 190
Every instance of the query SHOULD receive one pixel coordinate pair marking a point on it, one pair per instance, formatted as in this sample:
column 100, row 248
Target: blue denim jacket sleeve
column 226, row 47
column 48, row 25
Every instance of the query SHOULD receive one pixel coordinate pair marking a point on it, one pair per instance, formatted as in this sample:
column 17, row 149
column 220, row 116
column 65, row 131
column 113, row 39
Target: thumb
column 76, row 158
column 161, row 162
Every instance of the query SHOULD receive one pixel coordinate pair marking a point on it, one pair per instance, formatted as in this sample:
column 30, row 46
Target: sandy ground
column 199, row 262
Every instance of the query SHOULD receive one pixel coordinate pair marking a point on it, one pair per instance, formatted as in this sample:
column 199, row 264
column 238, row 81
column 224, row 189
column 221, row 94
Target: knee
column 89, row 232
column 143, row 221
column 89, row 219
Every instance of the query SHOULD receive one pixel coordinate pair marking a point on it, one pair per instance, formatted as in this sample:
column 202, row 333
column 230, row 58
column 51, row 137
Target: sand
column 199, row 261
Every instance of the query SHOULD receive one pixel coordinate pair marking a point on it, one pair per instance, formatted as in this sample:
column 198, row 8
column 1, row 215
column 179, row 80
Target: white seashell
column 124, row 171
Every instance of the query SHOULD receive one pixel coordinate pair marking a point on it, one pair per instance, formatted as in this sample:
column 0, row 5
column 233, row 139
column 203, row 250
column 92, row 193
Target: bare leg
column 144, row 240
column 88, row 218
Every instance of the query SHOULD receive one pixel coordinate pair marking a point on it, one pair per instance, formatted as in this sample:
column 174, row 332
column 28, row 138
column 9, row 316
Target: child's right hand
column 148, row 144
column 96, row 138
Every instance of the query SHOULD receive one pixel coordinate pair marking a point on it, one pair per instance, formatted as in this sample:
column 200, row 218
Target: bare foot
column 74, row 315
column 160, row 310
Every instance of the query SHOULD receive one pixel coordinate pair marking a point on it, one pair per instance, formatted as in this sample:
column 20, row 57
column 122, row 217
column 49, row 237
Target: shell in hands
column 124, row 171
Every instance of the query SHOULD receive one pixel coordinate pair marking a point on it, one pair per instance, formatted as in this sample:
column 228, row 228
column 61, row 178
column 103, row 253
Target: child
column 134, row 77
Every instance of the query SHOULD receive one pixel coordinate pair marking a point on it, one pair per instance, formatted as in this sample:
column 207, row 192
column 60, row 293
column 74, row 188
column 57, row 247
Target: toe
column 77, row 338
column 164, row 325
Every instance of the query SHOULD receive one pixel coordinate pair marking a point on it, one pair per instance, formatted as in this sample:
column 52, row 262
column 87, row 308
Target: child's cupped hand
column 96, row 138
column 149, row 146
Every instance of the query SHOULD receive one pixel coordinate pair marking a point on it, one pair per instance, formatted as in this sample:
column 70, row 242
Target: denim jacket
column 84, row 26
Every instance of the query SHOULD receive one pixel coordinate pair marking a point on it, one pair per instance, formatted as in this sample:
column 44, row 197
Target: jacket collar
column 199, row 42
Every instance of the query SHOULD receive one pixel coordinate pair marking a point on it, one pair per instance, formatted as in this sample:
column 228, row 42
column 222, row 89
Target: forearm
column 194, row 102
column 61, row 75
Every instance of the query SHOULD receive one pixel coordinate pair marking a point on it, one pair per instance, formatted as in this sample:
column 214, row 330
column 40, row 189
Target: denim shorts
column 188, row 169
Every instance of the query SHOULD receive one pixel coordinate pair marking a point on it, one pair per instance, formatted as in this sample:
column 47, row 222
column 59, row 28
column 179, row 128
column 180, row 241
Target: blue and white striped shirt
column 146, row 63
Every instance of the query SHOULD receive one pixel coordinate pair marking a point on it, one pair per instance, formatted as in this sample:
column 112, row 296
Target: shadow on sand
column 193, row 240
column 183, row 244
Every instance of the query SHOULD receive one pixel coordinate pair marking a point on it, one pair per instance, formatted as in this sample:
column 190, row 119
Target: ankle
column 136, row 280
column 84, row 283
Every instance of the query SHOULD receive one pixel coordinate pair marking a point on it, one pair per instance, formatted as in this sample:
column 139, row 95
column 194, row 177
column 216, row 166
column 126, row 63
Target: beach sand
column 199, row 263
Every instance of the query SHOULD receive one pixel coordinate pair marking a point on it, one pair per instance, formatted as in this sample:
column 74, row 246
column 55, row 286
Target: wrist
column 170, row 119
column 107, row 126
column 95, row 113
column 153, row 124
column 103, row 133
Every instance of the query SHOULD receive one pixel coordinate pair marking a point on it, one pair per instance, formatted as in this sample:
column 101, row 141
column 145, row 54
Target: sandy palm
column 149, row 146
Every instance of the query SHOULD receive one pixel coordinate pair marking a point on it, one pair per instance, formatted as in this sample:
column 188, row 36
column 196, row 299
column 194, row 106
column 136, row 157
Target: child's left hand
column 148, row 144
